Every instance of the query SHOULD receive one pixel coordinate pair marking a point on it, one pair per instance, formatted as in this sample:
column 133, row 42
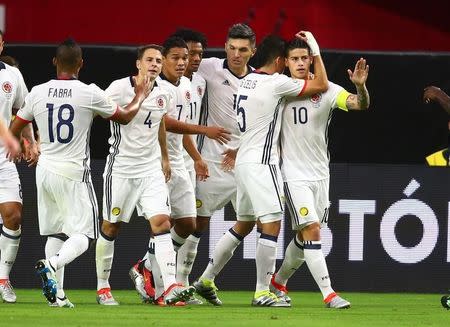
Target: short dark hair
column 141, row 50
column 1, row 33
column 69, row 53
column 173, row 42
column 189, row 35
column 297, row 44
column 270, row 48
column 242, row 31
column 10, row 61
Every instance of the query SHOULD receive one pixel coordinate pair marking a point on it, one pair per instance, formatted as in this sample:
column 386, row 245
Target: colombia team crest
column 315, row 99
column 199, row 91
column 188, row 96
column 7, row 87
column 160, row 102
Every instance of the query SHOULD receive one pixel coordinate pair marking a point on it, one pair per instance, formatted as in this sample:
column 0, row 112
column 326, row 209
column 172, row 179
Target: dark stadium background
column 374, row 154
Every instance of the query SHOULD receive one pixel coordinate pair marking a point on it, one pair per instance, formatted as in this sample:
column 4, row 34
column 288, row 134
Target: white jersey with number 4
column 304, row 134
column 12, row 95
column 178, row 109
column 134, row 148
column 258, row 111
column 218, row 110
column 64, row 110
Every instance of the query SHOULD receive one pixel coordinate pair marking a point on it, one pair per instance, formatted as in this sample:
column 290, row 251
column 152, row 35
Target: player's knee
column 243, row 228
column 311, row 232
column 110, row 229
column 202, row 224
column 12, row 218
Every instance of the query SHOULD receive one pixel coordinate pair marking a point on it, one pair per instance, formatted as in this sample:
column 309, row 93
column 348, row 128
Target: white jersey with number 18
column 64, row 110
column 258, row 105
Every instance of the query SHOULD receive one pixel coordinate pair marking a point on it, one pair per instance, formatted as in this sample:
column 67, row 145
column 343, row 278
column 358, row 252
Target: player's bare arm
column 217, row 133
column 201, row 168
column 320, row 83
column 30, row 148
column 360, row 100
column 142, row 88
column 10, row 142
column 165, row 164
column 433, row 93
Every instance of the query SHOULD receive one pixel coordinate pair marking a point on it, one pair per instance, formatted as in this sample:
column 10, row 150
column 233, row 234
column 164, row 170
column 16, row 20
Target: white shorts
column 308, row 202
column 65, row 206
column 193, row 177
column 149, row 195
column 214, row 193
column 10, row 188
column 181, row 194
column 259, row 191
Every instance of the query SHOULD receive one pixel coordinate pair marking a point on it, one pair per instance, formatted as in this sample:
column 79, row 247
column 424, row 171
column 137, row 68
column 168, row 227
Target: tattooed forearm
column 363, row 98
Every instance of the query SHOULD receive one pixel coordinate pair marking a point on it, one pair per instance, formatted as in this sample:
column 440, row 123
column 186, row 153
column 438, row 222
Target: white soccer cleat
column 177, row 292
column 334, row 301
column 61, row 303
column 279, row 290
column 7, row 292
column 104, row 297
column 139, row 283
column 193, row 301
column 207, row 290
column 269, row 299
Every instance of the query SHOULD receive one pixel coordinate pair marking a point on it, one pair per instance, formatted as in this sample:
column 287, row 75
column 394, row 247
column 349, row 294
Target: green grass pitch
column 368, row 309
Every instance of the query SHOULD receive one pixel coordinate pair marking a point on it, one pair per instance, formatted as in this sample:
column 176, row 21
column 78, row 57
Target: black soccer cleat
column 445, row 301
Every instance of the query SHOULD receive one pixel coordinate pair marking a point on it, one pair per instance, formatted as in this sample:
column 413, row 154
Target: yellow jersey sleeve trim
column 341, row 100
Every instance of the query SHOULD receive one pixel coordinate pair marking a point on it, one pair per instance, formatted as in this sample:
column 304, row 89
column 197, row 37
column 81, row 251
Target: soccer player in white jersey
column 135, row 176
column 259, row 190
column 12, row 96
column 181, row 190
column 196, row 43
column 64, row 109
column 305, row 160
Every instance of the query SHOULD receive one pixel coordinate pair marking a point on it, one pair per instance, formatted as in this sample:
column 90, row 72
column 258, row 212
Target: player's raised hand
column 310, row 40
column 360, row 74
column 142, row 86
column 229, row 159
column 201, row 170
column 431, row 93
column 219, row 134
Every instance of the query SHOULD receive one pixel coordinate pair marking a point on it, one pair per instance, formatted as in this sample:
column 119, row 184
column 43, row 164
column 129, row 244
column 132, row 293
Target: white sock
column 317, row 266
column 185, row 259
column 9, row 245
column 52, row 246
column 294, row 257
column 156, row 271
column 75, row 246
column 166, row 257
column 222, row 253
column 104, row 255
column 146, row 259
column 177, row 240
column 266, row 254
